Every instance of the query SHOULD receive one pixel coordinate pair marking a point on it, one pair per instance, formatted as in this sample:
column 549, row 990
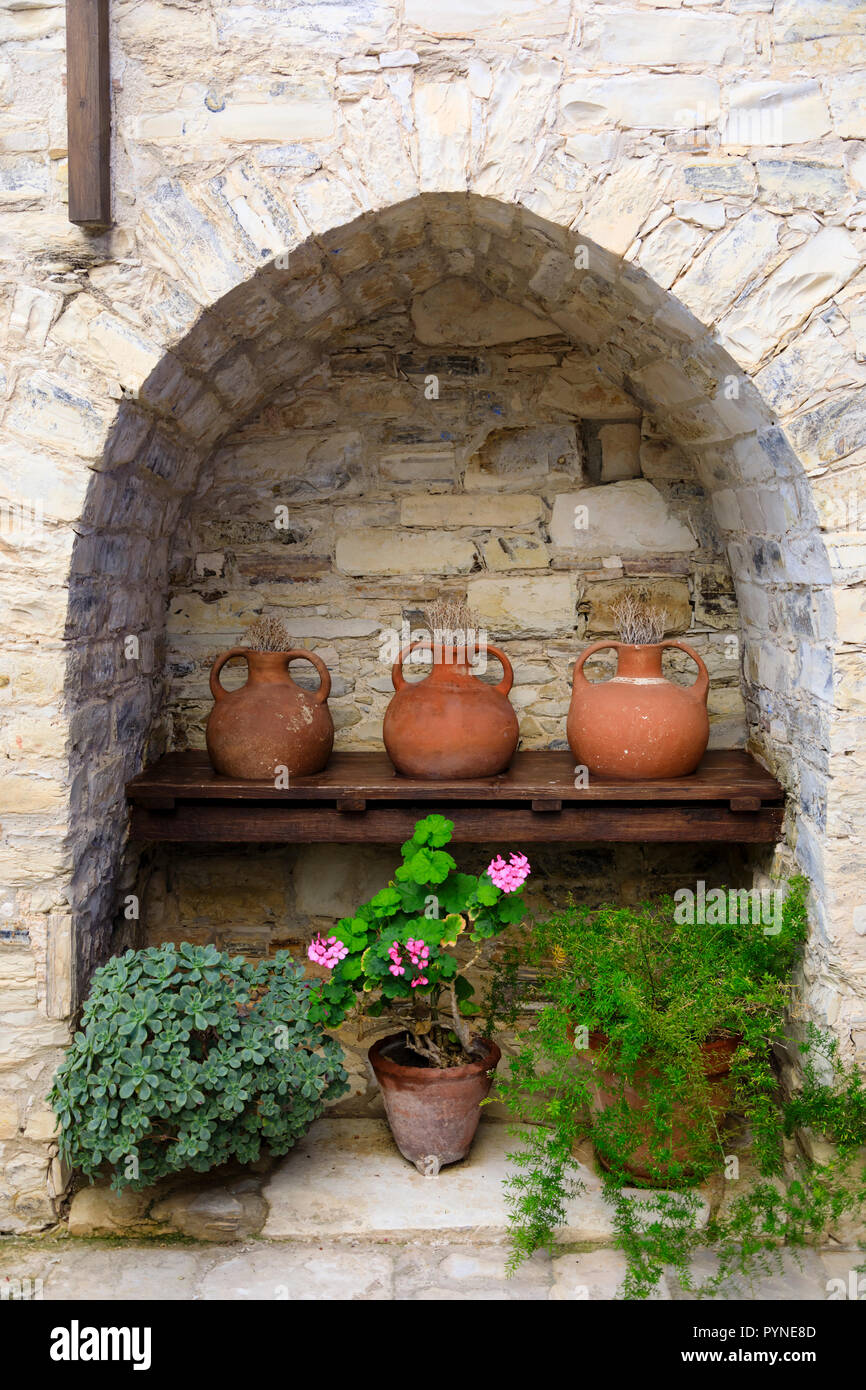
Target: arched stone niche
column 250, row 370
column 253, row 407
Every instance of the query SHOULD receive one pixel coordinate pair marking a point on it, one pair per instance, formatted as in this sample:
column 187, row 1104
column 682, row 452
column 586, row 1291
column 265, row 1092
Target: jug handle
column 508, row 677
column 398, row 680
column 588, row 651
column 702, row 684
column 217, row 689
column 324, row 690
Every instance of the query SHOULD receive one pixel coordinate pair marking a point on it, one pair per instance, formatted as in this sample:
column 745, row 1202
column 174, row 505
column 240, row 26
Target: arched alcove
column 435, row 286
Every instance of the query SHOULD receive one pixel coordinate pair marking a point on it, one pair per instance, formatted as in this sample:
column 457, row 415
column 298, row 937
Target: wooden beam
column 247, row 823
column 88, row 112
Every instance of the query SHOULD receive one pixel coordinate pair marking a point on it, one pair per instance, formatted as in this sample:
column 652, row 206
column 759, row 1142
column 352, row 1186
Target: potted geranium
column 396, row 955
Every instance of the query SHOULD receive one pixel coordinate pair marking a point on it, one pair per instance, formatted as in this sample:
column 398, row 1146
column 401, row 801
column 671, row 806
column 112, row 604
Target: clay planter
column 639, row 725
column 433, row 1112
column 270, row 722
column 450, row 724
column 716, row 1057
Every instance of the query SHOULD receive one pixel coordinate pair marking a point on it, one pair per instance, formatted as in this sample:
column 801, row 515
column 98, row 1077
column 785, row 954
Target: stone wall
column 400, row 472
column 277, row 170
column 347, row 507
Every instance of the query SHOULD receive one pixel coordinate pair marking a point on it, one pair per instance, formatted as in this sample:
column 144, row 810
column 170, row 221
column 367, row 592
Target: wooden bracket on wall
column 88, row 112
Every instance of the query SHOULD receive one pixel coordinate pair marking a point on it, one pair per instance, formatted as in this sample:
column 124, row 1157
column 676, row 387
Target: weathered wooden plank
column 88, row 111
column 232, row 822
column 533, row 776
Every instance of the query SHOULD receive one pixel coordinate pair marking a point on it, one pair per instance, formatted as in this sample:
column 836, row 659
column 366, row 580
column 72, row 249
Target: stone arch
column 271, row 328
column 105, row 408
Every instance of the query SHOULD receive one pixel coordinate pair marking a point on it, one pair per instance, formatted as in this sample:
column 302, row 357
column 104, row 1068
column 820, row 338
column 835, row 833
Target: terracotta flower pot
column 716, row 1057
column 433, row 1112
column 639, row 725
column 450, row 724
column 270, row 722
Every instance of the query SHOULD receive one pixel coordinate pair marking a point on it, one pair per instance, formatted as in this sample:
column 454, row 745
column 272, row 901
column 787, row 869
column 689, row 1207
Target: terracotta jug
column 450, row 724
column 270, row 722
column 639, row 725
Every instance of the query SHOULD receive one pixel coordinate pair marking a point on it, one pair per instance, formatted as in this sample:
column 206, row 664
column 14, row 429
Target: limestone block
column 332, row 880
column 647, row 38
column 443, row 120
column 847, row 92
column 316, row 24
column 516, row 553
column 770, row 112
column 461, row 312
column 470, row 509
column 785, row 184
column 710, row 215
column 41, row 1125
column 100, row 1211
column 204, row 1211
column 537, row 606
column 453, row 18
column 24, row 181
column 830, row 431
column 675, row 101
column 623, row 202
column 582, row 391
column 715, row 599
column 668, row 250
column 815, row 363
column 850, row 606
column 595, row 1274
column 303, row 465
column 47, row 409
column 665, row 383
column 620, row 452
column 512, row 457
column 730, row 176
column 273, row 121
column 807, row 278
column 108, row 341
column 832, row 33
column 670, row 594
column 658, row 459
column 30, row 796
column 219, row 891
column 628, row 518
column 192, row 243
column 419, row 463
column 396, row 552
column 729, row 262
column 32, row 313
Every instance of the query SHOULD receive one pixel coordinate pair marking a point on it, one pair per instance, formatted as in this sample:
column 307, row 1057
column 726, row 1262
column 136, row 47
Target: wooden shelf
column 359, row 797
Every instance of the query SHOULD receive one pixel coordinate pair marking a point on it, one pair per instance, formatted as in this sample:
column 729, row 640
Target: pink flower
column 508, row 877
column 327, row 951
column 419, row 980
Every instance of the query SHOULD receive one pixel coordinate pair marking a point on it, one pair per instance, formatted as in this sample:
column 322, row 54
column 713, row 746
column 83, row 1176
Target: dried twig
column 452, row 621
column 268, row 635
column 638, row 622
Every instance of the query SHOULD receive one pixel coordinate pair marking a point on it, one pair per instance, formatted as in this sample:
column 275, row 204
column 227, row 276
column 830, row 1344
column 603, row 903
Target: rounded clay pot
column 716, row 1057
column 270, row 722
column 450, row 724
column 433, row 1112
column 639, row 725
